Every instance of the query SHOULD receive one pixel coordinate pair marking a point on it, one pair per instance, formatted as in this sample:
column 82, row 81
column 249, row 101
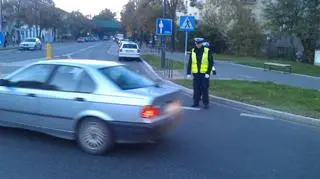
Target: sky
column 91, row 7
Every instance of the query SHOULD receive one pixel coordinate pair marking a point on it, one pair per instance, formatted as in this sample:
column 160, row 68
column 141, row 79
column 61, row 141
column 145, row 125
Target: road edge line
column 272, row 112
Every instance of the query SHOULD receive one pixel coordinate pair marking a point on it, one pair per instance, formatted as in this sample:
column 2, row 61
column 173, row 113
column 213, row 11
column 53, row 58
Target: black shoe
column 195, row 105
column 206, row 106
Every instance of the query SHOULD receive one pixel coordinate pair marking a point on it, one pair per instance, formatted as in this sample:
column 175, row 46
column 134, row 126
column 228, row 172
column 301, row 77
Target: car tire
column 94, row 136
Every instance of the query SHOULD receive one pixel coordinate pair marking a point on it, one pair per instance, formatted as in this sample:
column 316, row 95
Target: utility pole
column 163, row 53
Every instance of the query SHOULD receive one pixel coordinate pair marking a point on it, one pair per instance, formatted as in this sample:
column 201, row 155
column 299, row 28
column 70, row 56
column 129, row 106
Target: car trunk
column 163, row 96
column 130, row 50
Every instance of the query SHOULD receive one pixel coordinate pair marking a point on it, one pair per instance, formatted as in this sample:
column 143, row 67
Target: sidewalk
column 231, row 71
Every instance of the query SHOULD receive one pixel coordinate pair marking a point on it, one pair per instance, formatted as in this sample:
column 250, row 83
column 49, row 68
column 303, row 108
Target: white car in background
column 31, row 44
column 129, row 50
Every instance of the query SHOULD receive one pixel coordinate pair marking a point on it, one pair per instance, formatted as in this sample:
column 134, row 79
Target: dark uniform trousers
column 201, row 88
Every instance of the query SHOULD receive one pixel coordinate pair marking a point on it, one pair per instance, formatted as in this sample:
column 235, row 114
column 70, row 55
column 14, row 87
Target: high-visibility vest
column 204, row 62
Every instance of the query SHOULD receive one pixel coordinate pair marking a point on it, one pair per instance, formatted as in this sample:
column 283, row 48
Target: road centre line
column 190, row 108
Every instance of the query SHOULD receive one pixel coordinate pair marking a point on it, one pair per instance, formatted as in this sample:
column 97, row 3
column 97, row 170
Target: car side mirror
column 4, row 82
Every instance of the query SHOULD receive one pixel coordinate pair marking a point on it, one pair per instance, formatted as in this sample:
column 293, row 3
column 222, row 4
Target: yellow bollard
column 48, row 51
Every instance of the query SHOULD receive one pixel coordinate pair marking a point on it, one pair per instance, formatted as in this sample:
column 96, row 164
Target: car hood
column 27, row 43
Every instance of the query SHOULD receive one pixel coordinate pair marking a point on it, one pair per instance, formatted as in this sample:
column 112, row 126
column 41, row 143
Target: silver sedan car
column 96, row 103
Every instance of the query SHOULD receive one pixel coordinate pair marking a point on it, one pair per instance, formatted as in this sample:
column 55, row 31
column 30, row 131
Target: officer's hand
column 189, row 76
column 207, row 76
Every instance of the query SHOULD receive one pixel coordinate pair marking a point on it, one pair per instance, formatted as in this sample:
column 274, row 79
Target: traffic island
column 266, row 94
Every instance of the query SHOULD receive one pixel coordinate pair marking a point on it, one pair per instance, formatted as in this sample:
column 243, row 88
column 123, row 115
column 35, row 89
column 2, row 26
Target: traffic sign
column 187, row 23
column 1, row 38
column 164, row 27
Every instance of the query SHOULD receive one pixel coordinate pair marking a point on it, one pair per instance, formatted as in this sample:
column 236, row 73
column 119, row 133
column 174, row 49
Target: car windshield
column 133, row 46
column 30, row 40
column 126, row 79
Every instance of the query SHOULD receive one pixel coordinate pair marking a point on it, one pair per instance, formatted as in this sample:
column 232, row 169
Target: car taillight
column 149, row 112
column 138, row 50
column 120, row 49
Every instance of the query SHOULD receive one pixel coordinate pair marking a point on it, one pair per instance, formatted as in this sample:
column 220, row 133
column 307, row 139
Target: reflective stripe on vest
column 204, row 62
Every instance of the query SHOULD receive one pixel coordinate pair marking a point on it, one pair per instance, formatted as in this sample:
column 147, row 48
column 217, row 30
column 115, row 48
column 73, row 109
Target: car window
column 133, row 46
column 86, row 84
column 66, row 78
column 32, row 77
column 126, row 79
column 30, row 40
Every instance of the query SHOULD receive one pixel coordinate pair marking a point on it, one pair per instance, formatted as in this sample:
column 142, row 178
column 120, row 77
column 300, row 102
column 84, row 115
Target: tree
column 173, row 6
column 245, row 36
column 106, row 14
column 298, row 18
column 138, row 17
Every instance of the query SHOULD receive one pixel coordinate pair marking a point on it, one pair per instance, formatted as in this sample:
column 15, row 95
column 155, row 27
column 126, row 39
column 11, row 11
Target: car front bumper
column 127, row 132
column 27, row 48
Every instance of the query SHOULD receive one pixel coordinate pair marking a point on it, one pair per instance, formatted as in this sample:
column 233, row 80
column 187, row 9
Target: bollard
column 48, row 51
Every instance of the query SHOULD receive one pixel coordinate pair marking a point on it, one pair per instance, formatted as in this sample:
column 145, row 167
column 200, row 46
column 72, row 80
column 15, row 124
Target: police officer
column 200, row 65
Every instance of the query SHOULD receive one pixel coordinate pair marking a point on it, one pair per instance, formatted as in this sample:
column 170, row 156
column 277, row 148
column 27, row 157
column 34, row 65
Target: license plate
column 129, row 51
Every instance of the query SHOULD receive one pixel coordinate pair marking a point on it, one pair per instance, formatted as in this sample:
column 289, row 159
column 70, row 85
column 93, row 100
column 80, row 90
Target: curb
column 248, row 107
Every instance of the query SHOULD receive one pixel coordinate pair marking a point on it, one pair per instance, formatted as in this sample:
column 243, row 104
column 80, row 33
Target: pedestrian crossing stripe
column 187, row 24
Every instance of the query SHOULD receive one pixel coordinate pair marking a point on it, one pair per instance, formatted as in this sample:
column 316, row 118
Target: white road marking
column 190, row 108
column 256, row 116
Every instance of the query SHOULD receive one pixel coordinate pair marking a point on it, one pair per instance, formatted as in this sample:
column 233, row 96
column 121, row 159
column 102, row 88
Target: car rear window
column 125, row 78
column 133, row 46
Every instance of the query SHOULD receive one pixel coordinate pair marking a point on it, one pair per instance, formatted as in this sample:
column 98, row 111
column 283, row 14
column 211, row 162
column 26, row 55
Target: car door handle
column 79, row 99
column 31, row 95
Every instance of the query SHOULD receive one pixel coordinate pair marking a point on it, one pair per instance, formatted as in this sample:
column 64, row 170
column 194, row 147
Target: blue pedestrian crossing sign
column 1, row 38
column 164, row 26
column 187, row 23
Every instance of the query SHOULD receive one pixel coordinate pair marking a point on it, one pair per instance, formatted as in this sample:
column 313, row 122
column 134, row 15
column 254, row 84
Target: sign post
column 163, row 28
column 187, row 24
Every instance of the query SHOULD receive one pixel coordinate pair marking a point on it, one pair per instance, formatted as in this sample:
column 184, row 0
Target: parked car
column 129, row 50
column 81, row 39
column 105, row 37
column 31, row 44
column 96, row 103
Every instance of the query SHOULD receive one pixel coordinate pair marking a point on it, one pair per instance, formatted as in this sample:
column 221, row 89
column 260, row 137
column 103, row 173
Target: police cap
column 198, row 40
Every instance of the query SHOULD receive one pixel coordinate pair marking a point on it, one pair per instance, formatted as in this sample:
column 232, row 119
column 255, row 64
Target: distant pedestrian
column 200, row 66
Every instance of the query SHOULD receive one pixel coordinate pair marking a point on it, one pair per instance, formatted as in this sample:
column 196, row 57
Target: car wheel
column 94, row 136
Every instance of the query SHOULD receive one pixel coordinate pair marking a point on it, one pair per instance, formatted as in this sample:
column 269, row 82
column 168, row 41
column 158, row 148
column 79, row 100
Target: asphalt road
column 222, row 143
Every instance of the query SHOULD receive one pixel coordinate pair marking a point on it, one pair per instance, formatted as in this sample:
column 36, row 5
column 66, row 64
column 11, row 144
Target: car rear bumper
column 126, row 132
column 129, row 55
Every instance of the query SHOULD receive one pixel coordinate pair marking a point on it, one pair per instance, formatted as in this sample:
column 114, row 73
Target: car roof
column 81, row 63
column 129, row 42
